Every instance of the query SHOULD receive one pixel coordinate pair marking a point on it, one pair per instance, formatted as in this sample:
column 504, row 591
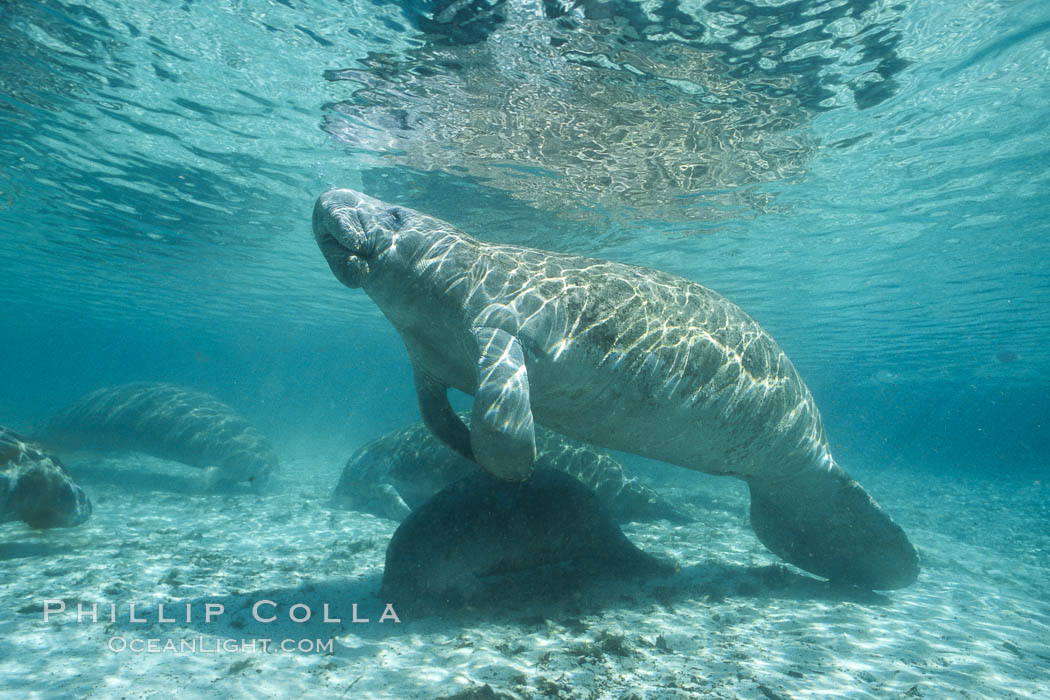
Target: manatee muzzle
column 341, row 237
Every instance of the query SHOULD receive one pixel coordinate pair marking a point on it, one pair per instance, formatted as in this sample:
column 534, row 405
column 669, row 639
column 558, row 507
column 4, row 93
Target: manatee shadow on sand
column 718, row 581
column 699, row 585
column 705, row 583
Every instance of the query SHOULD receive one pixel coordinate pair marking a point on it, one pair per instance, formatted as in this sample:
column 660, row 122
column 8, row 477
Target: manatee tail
column 826, row 523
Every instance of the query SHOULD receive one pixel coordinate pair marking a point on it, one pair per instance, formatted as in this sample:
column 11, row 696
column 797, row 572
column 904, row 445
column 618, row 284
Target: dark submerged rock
column 484, row 541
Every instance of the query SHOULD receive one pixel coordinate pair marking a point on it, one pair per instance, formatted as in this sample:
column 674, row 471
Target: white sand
column 731, row 624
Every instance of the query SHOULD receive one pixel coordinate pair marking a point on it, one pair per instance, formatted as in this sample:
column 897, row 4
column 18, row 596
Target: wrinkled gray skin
column 482, row 540
column 170, row 422
column 35, row 488
column 620, row 356
column 394, row 474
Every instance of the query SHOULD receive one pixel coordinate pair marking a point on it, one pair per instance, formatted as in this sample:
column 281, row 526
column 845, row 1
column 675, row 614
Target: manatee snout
column 351, row 228
column 341, row 234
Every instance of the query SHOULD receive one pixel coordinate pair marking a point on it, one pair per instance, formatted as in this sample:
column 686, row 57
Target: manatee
column 616, row 355
column 394, row 474
column 35, row 488
column 483, row 539
column 169, row 422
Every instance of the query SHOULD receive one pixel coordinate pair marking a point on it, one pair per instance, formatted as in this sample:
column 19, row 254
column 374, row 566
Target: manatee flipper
column 502, row 432
column 438, row 415
column 826, row 523
column 389, row 502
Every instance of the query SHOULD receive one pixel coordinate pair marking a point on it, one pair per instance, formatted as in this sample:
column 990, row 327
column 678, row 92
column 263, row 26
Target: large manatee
column 616, row 355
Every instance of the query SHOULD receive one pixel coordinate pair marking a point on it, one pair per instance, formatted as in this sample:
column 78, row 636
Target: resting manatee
column 483, row 539
column 620, row 356
column 170, row 422
column 394, row 474
column 35, row 488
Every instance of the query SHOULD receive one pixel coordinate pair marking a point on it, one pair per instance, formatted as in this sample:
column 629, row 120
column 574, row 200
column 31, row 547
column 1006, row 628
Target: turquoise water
column 868, row 179
column 868, row 182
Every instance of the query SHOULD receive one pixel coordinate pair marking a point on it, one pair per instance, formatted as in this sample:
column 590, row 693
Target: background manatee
column 397, row 472
column 170, row 422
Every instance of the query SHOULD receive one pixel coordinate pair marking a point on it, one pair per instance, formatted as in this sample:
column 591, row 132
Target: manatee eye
column 398, row 216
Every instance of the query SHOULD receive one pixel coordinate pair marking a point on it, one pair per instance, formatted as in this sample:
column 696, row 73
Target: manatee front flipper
column 502, row 432
column 388, row 502
column 438, row 415
column 826, row 523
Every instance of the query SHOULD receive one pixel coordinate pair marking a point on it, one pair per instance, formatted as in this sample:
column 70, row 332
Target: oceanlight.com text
column 205, row 645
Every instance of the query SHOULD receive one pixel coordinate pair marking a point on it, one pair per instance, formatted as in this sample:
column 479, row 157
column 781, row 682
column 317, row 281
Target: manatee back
column 166, row 421
column 654, row 364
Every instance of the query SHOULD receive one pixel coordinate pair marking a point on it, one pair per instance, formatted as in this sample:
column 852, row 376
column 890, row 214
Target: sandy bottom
column 732, row 624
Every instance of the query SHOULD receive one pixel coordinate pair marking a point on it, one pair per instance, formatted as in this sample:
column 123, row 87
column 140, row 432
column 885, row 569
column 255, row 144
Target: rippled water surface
column 868, row 174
